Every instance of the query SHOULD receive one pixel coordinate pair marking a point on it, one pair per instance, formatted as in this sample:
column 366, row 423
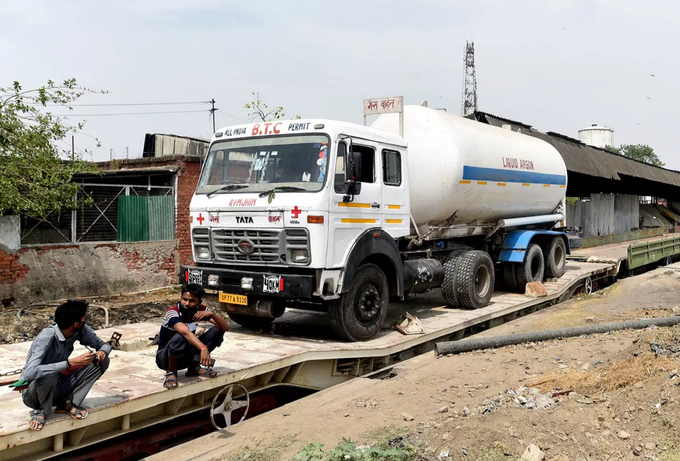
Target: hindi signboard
column 377, row 106
column 389, row 105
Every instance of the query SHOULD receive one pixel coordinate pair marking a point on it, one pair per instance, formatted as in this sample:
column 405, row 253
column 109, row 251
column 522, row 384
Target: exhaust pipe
column 258, row 308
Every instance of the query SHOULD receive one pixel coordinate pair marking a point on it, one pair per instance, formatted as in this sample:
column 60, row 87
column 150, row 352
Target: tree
column 34, row 180
column 260, row 110
column 640, row 152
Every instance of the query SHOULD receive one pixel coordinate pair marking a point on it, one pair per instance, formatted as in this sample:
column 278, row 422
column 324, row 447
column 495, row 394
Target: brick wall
column 11, row 271
column 89, row 269
column 186, row 186
column 62, row 271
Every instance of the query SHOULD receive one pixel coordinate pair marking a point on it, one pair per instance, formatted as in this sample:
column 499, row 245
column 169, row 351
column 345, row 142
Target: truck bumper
column 264, row 284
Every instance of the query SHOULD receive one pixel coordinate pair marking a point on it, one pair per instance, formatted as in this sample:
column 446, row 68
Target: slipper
column 73, row 410
column 201, row 372
column 170, row 381
column 40, row 417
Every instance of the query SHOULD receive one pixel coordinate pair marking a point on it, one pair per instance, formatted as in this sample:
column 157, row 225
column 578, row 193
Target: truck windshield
column 261, row 164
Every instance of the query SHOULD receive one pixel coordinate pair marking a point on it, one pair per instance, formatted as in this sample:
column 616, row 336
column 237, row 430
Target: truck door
column 395, row 200
column 352, row 215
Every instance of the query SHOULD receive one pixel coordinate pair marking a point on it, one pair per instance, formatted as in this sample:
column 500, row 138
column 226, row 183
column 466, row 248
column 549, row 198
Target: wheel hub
column 368, row 304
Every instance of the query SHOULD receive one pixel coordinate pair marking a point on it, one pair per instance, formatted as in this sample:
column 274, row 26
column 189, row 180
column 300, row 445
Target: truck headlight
column 203, row 253
column 299, row 256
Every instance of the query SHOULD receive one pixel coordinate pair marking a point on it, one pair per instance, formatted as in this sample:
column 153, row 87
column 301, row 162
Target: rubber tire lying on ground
column 346, row 312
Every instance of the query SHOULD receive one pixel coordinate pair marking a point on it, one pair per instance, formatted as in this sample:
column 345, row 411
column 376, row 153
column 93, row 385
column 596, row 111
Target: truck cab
column 280, row 208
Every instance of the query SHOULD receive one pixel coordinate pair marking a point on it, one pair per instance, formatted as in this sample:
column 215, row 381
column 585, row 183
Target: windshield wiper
column 228, row 187
column 283, row 189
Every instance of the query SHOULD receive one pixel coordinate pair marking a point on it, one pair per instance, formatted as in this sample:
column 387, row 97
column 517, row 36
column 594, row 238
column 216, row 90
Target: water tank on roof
column 598, row 136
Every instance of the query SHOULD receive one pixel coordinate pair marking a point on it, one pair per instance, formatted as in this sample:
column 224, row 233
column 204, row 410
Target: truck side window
column 391, row 168
column 340, row 187
column 364, row 161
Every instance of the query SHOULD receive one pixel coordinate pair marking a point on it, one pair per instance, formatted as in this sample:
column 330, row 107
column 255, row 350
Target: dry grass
column 606, row 379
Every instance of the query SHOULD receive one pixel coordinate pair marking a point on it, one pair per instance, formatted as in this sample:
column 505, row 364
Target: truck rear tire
column 475, row 279
column 510, row 276
column 449, row 283
column 556, row 258
column 359, row 313
column 251, row 322
column 533, row 267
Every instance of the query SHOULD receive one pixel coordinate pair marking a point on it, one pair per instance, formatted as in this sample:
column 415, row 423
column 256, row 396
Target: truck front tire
column 359, row 313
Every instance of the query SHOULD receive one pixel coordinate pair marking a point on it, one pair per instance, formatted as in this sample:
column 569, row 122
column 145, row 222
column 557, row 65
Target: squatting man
column 178, row 346
column 50, row 379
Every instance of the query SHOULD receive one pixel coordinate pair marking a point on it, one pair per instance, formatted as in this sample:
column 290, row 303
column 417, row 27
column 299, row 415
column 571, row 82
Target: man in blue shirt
column 54, row 379
column 178, row 345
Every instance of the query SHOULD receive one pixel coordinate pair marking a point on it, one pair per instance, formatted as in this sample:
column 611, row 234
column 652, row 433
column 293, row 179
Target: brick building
column 133, row 238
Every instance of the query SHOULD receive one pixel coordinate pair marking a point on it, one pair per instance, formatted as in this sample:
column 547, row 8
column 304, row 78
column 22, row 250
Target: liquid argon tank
column 480, row 172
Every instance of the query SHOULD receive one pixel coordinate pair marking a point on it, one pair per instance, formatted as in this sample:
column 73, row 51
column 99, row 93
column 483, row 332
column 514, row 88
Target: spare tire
column 449, row 283
column 475, row 279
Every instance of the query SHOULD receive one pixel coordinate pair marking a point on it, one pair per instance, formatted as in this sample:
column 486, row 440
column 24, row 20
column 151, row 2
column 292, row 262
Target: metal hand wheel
column 228, row 405
column 588, row 286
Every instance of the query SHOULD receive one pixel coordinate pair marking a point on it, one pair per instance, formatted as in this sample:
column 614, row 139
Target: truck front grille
column 268, row 246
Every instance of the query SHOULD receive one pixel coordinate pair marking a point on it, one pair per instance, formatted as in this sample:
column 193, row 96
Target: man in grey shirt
column 53, row 379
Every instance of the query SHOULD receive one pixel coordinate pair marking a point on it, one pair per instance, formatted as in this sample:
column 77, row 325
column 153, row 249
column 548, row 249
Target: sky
column 559, row 65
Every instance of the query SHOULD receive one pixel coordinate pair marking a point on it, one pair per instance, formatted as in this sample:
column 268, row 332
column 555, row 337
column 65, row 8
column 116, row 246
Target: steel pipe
column 467, row 345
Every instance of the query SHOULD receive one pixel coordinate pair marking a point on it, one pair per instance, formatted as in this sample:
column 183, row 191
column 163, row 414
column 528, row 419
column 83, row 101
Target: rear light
column 186, row 276
column 314, row 219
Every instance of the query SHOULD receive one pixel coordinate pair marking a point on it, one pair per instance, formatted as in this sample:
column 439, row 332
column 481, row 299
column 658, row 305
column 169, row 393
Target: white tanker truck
column 326, row 215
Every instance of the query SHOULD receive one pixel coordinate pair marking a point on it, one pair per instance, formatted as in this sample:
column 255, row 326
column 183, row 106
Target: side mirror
column 353, row 187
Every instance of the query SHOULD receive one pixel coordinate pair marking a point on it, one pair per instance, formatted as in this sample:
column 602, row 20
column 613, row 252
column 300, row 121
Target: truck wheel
column 556, row 258
column 510, row 276
column 449, row 282
column 533, row 268
column 475, row 279
column 359, row 314
column 251, row 322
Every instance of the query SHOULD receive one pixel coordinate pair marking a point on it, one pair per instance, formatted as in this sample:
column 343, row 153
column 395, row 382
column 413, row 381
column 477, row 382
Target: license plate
column 196, row 276
column 272, row 284
column 233, row 299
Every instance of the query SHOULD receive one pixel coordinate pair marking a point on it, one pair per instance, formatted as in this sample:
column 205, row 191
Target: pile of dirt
column 24, row 323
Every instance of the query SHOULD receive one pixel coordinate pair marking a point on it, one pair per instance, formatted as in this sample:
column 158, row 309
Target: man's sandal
column 170, row 381
column 201, row 372
column 39, row 417
column 73, row 410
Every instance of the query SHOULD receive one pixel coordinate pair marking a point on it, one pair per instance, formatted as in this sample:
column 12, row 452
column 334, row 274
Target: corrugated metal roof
column 589, row 160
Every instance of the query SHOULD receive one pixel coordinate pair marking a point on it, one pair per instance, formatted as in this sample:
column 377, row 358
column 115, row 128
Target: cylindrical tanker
column 479, row 172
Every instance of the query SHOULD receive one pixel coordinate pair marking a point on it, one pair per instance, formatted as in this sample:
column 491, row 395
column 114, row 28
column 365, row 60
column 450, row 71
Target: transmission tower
column 469, row 102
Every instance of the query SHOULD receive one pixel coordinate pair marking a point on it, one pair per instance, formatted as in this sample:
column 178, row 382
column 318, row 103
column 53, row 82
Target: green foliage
column 573, row 200
column 640, row 152
column 312, row 451
column 394, row 450
column 260, row 110
column 33, row 178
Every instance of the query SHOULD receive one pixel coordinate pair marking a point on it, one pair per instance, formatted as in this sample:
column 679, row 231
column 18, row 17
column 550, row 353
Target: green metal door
column 161, row 215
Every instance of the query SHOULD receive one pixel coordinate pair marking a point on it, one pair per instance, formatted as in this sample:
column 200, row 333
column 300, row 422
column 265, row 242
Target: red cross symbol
column 200, row 219
column 295, row 212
